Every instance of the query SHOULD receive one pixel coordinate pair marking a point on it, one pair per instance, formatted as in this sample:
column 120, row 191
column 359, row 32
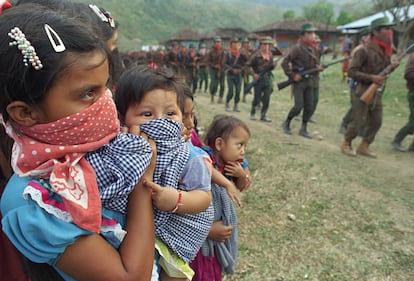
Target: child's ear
column 219, row 143
column 22, row 113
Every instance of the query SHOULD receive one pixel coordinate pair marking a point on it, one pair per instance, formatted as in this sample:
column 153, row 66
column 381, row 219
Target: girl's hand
column 233, row 193
column 164, row 198
column 234, row 169
column 220, row 232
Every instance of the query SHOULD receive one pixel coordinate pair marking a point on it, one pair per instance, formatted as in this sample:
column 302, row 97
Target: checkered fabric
column 224, row 210
column 118, row 166
column 183, row 233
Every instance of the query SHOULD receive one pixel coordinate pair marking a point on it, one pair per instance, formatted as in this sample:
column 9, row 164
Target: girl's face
column 155, row 104
column 81, row 85
column 233, row 148
column 188, row 118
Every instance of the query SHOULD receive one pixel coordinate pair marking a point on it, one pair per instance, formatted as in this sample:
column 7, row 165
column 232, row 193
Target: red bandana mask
column 55, row 151
column 385, row 41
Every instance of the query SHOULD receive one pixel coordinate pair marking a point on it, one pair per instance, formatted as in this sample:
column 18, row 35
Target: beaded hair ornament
column 28, row 51
column 105, row 16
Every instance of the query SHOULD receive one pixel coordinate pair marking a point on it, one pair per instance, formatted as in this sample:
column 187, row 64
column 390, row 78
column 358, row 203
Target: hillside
column 149, row 21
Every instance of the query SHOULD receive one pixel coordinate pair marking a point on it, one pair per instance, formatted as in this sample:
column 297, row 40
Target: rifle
column 268, row 68
column 374, row 89
column 289, row 81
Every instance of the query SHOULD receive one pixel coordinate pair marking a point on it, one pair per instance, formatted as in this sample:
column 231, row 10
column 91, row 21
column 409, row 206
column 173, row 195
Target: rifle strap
column 311, row 55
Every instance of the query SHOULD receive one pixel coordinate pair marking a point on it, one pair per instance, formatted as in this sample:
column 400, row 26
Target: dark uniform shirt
column 366, row 61
column 234, row 65
column 300, row 58
column 215, row 58
column 409, row 73
column 259, row 64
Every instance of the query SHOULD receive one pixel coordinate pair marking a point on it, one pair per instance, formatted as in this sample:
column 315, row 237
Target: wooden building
column 287, row 33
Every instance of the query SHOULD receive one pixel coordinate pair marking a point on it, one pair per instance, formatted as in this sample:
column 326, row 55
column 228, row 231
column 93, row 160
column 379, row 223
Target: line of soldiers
column 233, row 66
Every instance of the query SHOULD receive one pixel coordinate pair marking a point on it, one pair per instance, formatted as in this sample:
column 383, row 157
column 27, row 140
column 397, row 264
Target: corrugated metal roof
column 364, row 22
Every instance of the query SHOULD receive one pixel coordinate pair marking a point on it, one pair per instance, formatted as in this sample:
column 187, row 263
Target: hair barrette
column 104, row 16
column 25, row 47
column 57, row 44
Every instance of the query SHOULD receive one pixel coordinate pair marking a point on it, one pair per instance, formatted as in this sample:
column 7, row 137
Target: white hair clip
column 104, row 16
column 25, row 47
column 57, row 44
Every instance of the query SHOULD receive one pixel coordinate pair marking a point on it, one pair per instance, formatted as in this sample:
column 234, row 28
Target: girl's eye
column 89, row 95
column 147, row 114
column 170, row 113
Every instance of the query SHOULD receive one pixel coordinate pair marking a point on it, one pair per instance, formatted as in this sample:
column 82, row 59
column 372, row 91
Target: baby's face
column 156, row 104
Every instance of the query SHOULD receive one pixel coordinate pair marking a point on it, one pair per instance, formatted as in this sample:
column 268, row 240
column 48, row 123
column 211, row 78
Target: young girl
column 55, row 105
column 226, row 140
column 183, row 214
column 189, row 134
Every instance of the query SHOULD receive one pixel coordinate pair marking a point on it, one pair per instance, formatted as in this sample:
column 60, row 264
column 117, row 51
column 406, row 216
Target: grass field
column 313, row 213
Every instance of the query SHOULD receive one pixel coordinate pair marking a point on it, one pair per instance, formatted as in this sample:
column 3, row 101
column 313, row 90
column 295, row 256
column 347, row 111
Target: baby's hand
column 134, row 130
column 233, row 193
column 234, row 169
column 220, row 232
column 186, row 133
column 164, row 198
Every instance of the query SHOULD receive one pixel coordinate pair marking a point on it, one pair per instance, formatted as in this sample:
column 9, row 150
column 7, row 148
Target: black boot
column 304, row 131
column 396, row 143
column 286, row 126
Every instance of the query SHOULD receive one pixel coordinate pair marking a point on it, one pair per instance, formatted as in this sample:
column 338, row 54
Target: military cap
column 234, row 40
column 192, row 45
column 217, row 39
column 202, row 45
column 266, row 40
column 381, row 22
column 364, row 31
column 245, row 40
column 307, row 27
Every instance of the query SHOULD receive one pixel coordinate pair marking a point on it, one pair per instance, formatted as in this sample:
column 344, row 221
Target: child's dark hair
column 140, row 79
column 81, row 10
column 24, row 83
column 221, row 127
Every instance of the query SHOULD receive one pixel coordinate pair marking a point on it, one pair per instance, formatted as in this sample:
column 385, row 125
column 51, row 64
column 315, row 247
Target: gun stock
column 249, row 86
column 369, row 94
column 284, row 84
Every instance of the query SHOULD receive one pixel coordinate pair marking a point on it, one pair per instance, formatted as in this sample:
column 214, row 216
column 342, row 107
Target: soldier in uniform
column 215, row 61
column 301, row 57
column 261, row 64
column 408, row 129
column 202, row 67
column 245, row 51
column 171, row 57
column 365, row 65
column 191, row 75
column 181, row 61
column 234, row 61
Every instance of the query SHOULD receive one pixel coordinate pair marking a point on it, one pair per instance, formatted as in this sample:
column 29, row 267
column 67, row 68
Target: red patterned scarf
column 55, row 151
column 386, row 46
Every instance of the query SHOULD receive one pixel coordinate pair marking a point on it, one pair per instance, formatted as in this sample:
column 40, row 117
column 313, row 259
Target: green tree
column 289, row 14
column 344, row 17
column 322, row 12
